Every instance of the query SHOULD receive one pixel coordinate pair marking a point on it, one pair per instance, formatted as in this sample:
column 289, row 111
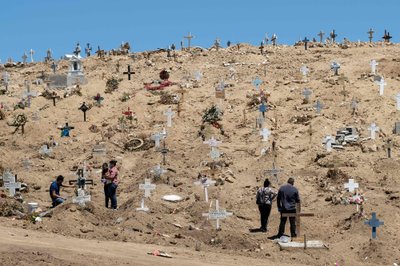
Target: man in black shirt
column 288, row 197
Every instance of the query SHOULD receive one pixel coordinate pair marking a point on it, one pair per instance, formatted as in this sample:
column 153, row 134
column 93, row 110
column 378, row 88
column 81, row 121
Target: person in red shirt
column 112, row 177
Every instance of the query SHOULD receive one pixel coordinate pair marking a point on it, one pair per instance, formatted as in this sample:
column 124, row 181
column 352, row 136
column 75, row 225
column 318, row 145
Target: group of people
column 109, row 177
column 287, row 198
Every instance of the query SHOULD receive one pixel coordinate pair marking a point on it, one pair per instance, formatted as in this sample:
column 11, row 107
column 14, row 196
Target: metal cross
column 374, row 223
column 387, row 36
column 333, row 35
column 371, row 34
column 164, row 152
column 306, row 41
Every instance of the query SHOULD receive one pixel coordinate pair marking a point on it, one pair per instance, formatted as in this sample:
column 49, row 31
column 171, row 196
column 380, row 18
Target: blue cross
column 374, row 223
column 263, row 107
column 257, row 82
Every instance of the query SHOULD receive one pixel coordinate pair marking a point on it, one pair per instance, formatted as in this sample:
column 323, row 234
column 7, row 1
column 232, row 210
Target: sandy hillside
column 180, row 227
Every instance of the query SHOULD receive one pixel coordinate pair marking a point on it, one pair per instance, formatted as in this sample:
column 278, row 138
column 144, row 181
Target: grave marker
column 28, row 93
column 263, row 108
column 169, row 114
column 304, row 70
column 298, row 214
column 335, row 67
column 88, row 49
column 147, row 187
column 274, row 38
column 12, row 185
column 328, row 140
column 220, row 90
column 99, row 99
column 257, row 82
column 157, row 137
column 342, row 81
column 189, row 37
column 307, row 93
column 205, row 182
column 158, row 171
column 164, row 152
column 66, row 130
column 306, row 41
column 31, row 52
column 321, row 36
column 24, row 57
column 81, row 198
column 373, row 65
column 273, row 172
column 382, row 85
column 99, row 150
column 260, row 121
column 333, row 36
column 373, row 128
column 386, row 37
column 370, row 34
column 353, row 105
column 265, row 133
column 388, row 146
column 215, row 154
column 142, row 207
column 374, row 223
column 351, row 185
column 84, row 108
column 6, row 79
column 45, row 150
column 318, row 106
column 129, row 72
column 217, row 214
column 7, row 176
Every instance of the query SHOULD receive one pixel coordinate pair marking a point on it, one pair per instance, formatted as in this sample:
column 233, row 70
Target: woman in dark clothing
column 265, row 196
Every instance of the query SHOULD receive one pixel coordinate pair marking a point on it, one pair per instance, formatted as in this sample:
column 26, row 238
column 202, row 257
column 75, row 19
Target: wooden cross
column 310, row 132
column 129, row 72
column 298, row 214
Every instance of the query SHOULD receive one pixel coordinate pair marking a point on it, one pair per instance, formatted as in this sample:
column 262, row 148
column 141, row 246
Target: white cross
column 142, row 207
column 169, row 113
column 217, row 214
column 351, row 185
column 31, row 52
column 205, row 182
column 304, row 70
column 213, row 143
column 373, row 128
column 157, row 137
column 147, row 187
column 265, row 133
column 382, row 85
column 214, row 154
column 328, row 143
column 373, row 65
column 11, row 185
column 7, row 176
column 398, row 101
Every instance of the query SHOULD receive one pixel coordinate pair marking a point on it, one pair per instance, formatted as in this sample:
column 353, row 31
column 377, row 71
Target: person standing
column 106, row 182
column 112, row 177
column 288, row 197
column 55, row 191
column 265, row 196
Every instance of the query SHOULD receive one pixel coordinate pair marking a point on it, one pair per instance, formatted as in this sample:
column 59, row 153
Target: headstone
column 213, row 143
column 351, row 185
column 257, row 82
column 99, row 99
column 265, row 133
column 328, row 140
column 205, row 182
column 217, row 214
column 75, row 74
column 7, row 176
column 142, row 206
column 374, row 223
column 373, row 128
column 147, row 187
column 382, row 85
column 169, row 114
column 389, row 146
column 260, row 121
column 373, row 65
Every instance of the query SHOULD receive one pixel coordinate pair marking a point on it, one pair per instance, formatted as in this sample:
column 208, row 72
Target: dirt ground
column 178, row 228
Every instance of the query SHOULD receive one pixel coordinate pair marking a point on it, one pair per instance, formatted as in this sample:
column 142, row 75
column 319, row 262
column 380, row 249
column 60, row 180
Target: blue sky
column 147, row 25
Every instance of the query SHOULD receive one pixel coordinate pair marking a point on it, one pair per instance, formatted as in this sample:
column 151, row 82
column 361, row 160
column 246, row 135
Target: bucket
column 32, row 206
